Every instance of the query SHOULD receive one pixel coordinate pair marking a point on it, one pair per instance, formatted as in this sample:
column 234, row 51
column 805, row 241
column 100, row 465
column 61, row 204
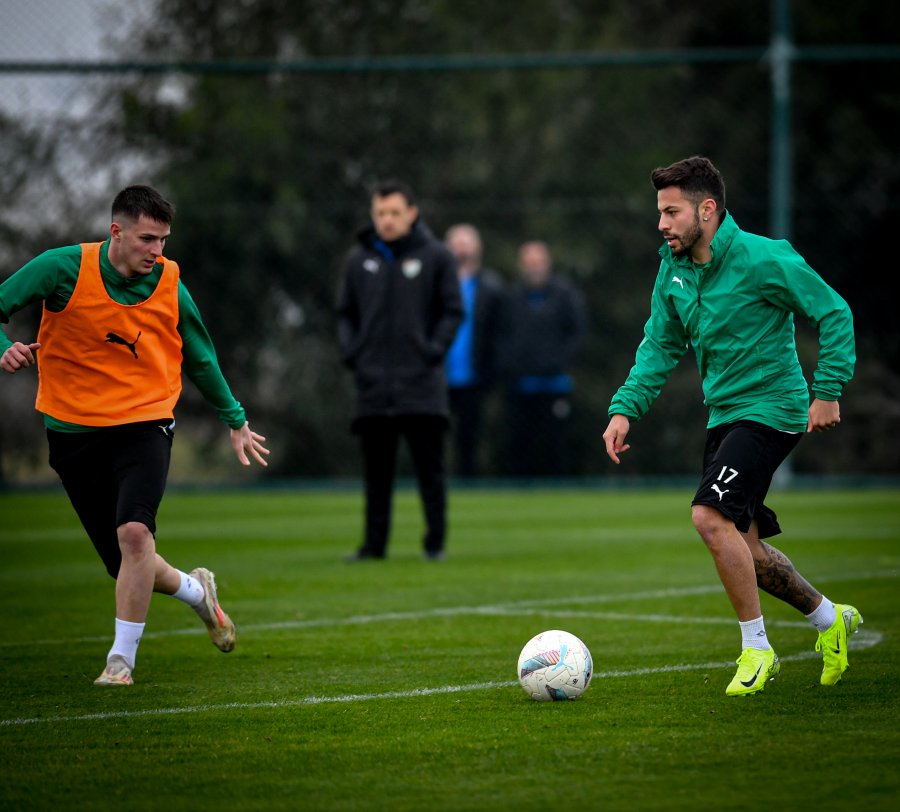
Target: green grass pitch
column 391, row 685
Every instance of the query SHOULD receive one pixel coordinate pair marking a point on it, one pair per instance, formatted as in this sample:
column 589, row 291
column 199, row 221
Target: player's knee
column 135, row 539
column 708, row 522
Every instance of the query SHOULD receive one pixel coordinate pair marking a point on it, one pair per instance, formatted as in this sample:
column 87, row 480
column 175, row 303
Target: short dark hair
column 392, row 186
column 696, row 177
column 133, row 201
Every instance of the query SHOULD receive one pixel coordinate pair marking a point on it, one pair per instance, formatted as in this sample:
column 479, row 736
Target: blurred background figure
column 398, row 312
column 544, row 326
column 471, row 363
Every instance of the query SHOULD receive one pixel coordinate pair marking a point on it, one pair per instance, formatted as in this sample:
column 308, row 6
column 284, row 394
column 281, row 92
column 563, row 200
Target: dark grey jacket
column 542, row 338
column 398, row 311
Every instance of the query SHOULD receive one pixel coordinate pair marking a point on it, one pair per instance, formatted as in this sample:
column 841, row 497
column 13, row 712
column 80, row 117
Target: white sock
column 128, row 635
column 823, row 616
column 190, row 591
column 753, row 634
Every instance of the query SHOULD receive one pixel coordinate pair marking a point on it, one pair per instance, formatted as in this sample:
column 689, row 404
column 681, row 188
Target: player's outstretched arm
column 614, row 436
column 244, row 441
column 18, row 356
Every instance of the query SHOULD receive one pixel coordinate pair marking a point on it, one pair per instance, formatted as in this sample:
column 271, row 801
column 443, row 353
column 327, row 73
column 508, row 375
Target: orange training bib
column 102, row 363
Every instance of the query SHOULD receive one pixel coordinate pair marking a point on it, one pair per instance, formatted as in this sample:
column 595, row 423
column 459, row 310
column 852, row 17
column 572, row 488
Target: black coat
column 542, row 339
column 398, row 312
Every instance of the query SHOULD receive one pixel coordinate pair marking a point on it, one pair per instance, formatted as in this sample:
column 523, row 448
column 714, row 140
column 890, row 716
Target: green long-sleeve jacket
column 737, row 313
column 51, row 277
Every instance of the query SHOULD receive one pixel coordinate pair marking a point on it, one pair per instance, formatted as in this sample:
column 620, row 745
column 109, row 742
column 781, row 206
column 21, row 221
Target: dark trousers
column 466, row 405
column 380, row 438
column 537, row 434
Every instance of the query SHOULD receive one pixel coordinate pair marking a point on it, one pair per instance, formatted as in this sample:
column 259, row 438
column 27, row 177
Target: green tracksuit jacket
column 737, row 313
column 51, row 277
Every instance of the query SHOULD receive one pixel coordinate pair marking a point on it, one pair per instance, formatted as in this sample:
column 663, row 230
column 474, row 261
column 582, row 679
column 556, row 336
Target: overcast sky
column 53, row 30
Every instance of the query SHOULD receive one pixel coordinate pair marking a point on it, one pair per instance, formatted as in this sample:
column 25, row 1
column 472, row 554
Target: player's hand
column 824, row 415
column 614, row 437
column 18, row 356
column 249, row 442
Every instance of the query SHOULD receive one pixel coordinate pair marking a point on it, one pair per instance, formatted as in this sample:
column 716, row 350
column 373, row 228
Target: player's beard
column 690, row 238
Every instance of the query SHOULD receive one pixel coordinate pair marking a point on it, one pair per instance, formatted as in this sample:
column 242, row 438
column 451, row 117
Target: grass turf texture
column 391, row 685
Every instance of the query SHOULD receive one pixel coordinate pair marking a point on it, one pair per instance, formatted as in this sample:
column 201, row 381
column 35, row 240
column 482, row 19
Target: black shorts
column 112, row 476
column 738, row 464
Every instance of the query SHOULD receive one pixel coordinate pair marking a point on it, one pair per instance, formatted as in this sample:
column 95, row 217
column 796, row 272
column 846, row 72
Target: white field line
column 524, row 607
column 862, row 640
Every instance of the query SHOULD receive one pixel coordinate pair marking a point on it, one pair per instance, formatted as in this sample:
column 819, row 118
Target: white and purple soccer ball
column 555, row 665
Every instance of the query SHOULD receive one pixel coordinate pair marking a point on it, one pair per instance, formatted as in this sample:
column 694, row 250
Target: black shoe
column 363, row 555
column 435, row 555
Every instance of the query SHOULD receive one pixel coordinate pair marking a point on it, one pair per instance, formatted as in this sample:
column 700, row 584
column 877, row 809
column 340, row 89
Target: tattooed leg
column 776, row 575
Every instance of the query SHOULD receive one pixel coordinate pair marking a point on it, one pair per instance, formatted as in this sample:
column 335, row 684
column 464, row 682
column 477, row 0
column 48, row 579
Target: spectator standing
column 544, row 326
column 472, row 360
column 398, row 311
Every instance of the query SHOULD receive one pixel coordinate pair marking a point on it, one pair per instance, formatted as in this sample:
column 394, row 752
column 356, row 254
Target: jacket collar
column 418, row 235
column 719, row 246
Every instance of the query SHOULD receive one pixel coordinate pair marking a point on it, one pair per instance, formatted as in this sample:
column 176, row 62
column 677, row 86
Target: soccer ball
column 555, row 665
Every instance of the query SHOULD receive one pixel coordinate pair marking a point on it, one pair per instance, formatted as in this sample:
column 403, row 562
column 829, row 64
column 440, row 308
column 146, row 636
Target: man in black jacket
column 544, row 327
column 397, row 315
column 472, row 361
